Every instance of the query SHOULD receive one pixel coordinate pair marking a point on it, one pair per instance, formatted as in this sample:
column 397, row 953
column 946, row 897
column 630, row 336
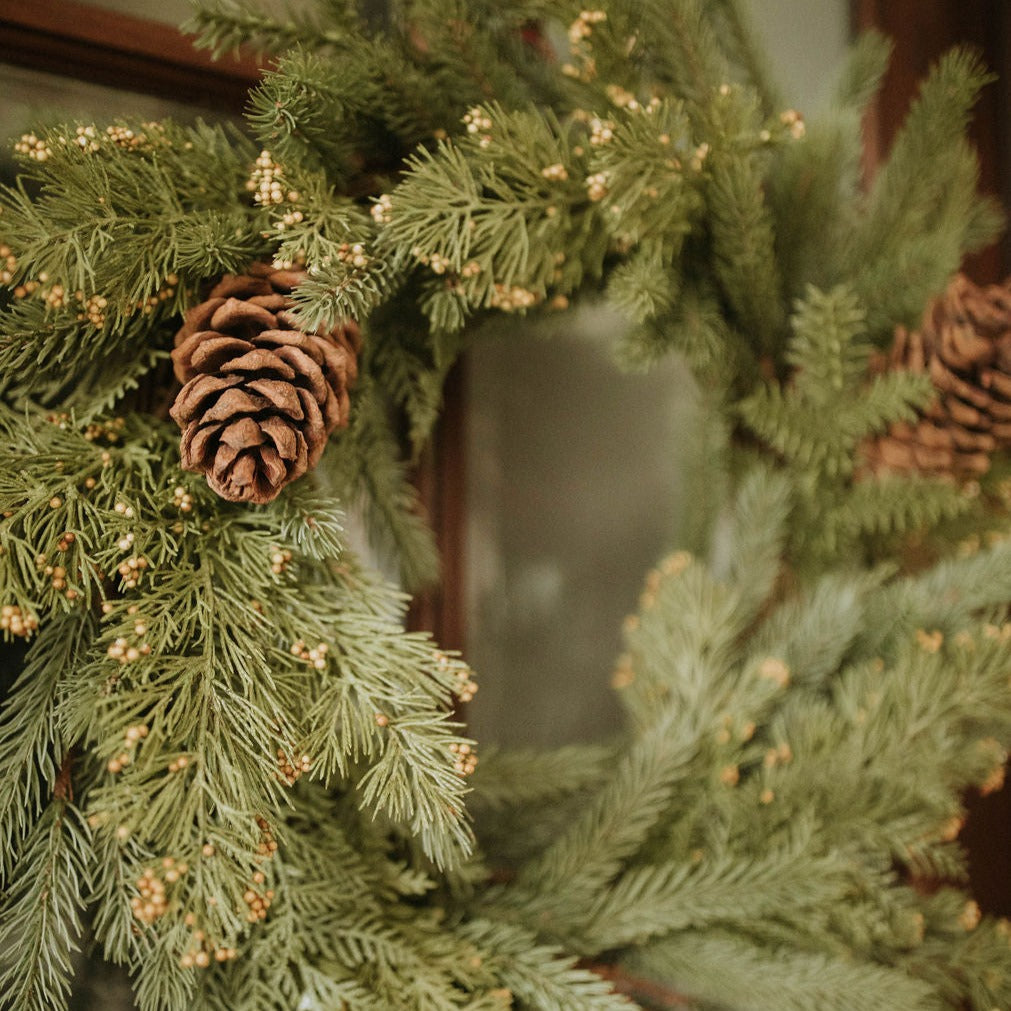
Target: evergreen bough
column 226, row 766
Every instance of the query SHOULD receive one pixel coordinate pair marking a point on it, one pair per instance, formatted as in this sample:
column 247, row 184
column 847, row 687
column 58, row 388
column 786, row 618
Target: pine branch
column 40, row 923
column 923, row 214
column 725, row 970
column 652, row 901
column 541, row 976
column 224, row 25
column 127, row 221
column 31, row 747
column 612, row 827
column 864, row 69
column 738, row 37
column 366, row 467
column 507, row 780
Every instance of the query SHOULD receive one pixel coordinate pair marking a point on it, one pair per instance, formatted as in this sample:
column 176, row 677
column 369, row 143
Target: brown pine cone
column 964, row 345
column 260, row 396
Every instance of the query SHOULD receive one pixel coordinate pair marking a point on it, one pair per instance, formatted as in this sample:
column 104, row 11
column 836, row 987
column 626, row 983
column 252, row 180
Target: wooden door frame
column 99, row 46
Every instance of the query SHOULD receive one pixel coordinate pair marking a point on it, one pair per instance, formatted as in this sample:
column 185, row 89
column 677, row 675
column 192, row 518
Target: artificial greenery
column 226, row 766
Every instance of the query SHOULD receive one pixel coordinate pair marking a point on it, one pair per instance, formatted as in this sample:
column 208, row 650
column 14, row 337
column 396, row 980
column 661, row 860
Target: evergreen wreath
column 226, row 766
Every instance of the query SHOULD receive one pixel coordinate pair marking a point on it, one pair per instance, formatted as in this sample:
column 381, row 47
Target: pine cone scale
column 260, row 396
column 206, row 352
column 242, row 318
column 260, row 360
column 243, row 433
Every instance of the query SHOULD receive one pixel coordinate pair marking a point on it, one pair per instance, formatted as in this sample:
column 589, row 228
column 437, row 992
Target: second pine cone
column 964, row 345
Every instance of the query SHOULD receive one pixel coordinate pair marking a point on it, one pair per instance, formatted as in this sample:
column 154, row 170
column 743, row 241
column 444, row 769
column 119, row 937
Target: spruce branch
column 40, row 924
column 32, row 752
column 723, row 969
column 927, row 187
column 652, row 901
column 540, row 975
column 225, row 25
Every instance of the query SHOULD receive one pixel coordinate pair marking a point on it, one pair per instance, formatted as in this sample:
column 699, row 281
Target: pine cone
column 964, row 345
column 260, row 396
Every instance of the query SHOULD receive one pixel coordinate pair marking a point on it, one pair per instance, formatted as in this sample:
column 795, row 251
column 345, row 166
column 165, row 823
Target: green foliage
column 31, row 748
column 724, row 972
column 40, row 924
column 778, row 813
column 224, row 25
column 193, row 706
column 225, row 759
column 367, row 471
column 116, row 213
column 816, row 425
column 923, row 213
column 491, row 217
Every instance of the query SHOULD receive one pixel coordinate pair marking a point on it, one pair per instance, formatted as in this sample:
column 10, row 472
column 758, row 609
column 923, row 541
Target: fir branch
column 751, row 543
column 890, row 505
column 474, row 51
column 121, row 215
column 225, row 25
column 743, row 241
column 650, row 196
column 828, row 351
column 813, row 193
column 506, row 780
column 682, row 49
column 307, row 108
column 693, row 327
column 683, row 646
column 476, row 214
column 946, row 596
column 813, row 633
column 31, row 746
column 612, row 827
column 649, row 902
column 54, row 360
column 724, row 969
column 40, row 923
column 541, row 976
column 923, row 213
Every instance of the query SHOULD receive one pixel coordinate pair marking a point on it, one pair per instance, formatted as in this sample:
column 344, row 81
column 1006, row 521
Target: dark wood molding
column 441, row 483
column 88, row 43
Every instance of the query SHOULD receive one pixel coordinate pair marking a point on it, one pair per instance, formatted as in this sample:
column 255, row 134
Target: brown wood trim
column 441, row 484
column 100, row 46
